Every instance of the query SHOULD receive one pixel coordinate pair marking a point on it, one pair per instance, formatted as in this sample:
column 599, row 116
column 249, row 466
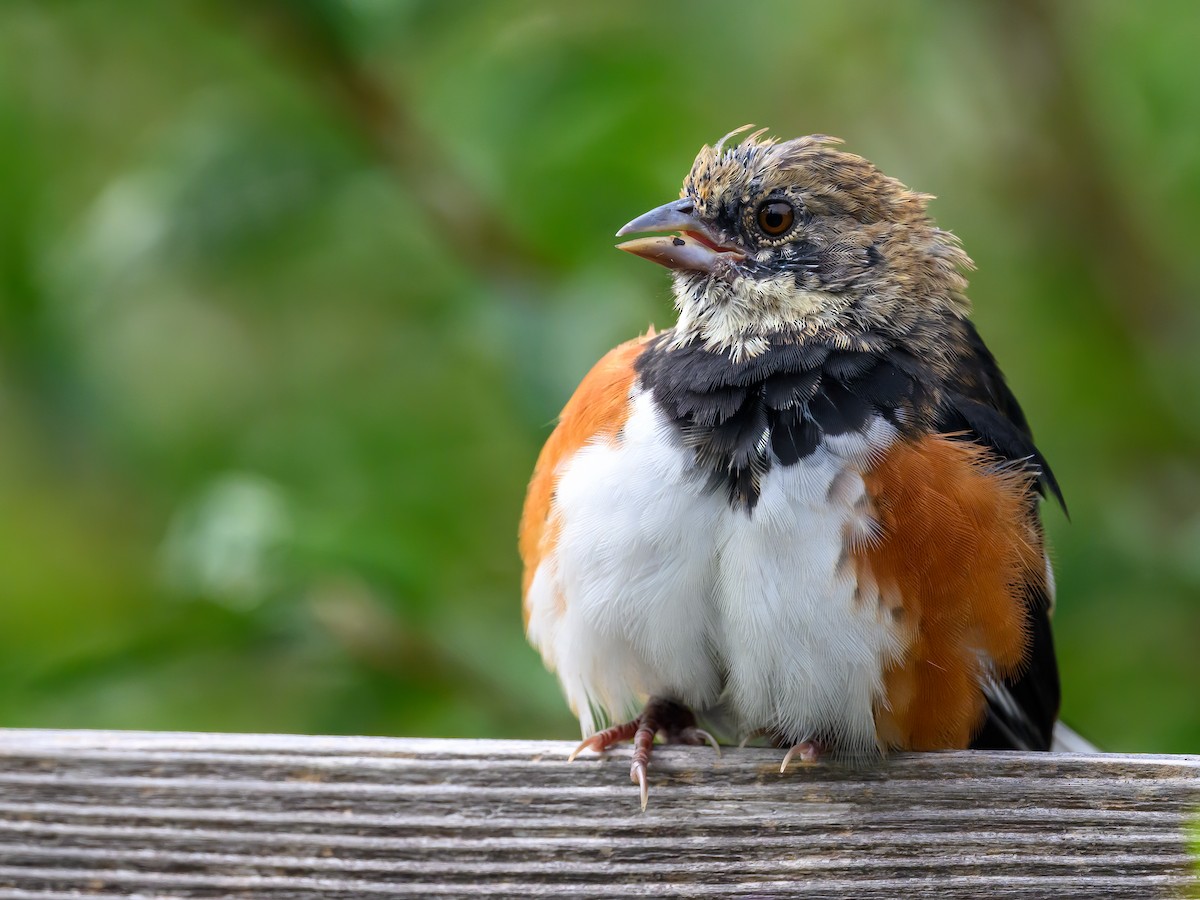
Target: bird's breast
column 663, row 580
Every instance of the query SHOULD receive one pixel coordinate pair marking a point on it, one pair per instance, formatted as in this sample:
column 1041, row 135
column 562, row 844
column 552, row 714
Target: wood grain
column 108, row 814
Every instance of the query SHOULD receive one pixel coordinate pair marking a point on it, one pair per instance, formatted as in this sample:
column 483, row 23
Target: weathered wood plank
column 195, row 815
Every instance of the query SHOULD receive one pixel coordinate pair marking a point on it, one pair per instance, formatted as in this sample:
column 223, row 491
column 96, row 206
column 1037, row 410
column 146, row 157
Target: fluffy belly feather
column 658, row 586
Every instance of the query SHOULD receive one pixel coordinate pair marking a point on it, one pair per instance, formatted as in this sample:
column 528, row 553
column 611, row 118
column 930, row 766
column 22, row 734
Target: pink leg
column 602, row 740
column 675, row 721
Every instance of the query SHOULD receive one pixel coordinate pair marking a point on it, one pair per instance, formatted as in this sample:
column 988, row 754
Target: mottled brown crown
column 834, row 182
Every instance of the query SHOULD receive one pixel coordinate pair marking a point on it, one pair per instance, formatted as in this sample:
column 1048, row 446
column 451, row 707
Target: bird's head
column 798, row 237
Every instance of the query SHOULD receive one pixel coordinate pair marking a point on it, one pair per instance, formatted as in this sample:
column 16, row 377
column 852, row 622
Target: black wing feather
column 979, row 406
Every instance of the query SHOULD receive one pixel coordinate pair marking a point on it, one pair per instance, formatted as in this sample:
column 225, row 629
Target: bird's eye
column 775, row 217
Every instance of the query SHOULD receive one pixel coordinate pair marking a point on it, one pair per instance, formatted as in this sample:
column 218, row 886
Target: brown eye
column 775, row 217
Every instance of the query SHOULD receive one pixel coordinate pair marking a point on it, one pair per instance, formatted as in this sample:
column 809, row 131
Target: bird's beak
column 695, row 248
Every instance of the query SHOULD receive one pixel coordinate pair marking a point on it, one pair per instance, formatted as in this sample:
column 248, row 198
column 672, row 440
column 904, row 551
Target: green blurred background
column 290, row 293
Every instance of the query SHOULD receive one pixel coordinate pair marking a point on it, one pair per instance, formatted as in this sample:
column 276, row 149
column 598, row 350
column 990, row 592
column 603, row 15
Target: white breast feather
column 667, row 586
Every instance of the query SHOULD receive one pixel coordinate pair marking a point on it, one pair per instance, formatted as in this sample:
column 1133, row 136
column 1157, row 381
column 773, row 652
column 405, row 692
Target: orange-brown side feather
column 597, row 410
column 956, row 544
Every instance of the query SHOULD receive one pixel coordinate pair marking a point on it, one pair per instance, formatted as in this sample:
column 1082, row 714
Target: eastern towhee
column 809, row 509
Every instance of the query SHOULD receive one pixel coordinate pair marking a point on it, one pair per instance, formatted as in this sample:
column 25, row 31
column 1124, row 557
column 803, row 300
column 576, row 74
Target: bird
column 808, row 511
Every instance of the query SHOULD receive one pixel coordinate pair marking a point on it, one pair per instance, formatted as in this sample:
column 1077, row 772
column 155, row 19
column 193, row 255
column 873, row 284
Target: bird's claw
column 697, row 736
column 585, row 744
column 807, row 751
column 637, row 774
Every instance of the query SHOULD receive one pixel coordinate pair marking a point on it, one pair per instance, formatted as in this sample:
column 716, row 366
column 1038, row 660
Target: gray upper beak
column 696, row 248
column 674, row 216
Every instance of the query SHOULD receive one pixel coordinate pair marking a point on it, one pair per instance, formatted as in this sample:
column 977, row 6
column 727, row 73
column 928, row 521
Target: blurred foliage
column 290, row 293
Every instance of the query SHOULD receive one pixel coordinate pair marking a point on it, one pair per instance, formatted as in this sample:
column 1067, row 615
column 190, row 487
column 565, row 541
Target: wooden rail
column 107, row 814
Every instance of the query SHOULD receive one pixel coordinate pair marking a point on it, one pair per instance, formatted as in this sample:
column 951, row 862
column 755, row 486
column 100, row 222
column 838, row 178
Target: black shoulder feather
column 979, row 404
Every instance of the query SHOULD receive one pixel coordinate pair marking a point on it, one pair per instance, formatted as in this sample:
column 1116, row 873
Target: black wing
column 979, row 406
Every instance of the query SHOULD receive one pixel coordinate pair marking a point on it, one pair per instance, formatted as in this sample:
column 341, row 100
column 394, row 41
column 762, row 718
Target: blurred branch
column 305, row 35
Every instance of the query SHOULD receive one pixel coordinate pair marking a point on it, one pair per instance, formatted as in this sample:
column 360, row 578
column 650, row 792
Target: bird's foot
column 673, row 720
column 808, row 752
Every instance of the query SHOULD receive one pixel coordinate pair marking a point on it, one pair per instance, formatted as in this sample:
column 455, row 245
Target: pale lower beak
column 696, row 248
